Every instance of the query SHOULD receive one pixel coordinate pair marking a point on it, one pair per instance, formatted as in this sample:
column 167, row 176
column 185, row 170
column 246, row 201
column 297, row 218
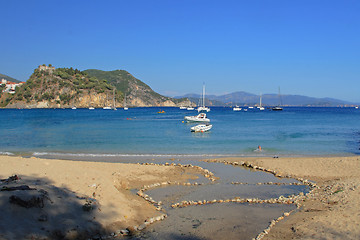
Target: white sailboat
column 260, row 107
column 114, row 105
column 202, row 108
column 125, row 107
column 278, row 108
column 106, row 107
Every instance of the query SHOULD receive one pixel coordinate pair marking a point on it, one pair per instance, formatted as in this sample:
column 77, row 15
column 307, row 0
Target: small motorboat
column 199, row 118
column 277, row 108
column 201, row 128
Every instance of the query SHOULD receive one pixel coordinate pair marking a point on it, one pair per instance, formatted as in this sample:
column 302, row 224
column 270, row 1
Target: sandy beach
column 79, row 198
column 69, row 186
column 332, row 211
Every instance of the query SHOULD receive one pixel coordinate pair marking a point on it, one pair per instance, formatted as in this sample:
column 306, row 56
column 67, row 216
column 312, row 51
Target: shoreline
column 331, row 211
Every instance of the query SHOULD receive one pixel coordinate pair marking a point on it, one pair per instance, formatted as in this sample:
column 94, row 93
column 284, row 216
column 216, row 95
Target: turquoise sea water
column 143, row 131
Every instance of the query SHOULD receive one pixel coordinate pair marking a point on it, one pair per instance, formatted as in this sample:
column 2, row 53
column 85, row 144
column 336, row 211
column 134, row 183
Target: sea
column 145, row 132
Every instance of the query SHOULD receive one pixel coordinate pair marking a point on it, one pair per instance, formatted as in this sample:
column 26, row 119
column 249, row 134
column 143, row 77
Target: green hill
column 3, row 76
column 61, row 87
column 48, row 87
column 137, row 92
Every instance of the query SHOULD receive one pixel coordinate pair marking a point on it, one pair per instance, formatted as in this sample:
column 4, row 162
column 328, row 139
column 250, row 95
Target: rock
column 131, row 230
column 34, row 201
column 141, row 227
column 42, row 218
column 22, row 187
column 124, row 232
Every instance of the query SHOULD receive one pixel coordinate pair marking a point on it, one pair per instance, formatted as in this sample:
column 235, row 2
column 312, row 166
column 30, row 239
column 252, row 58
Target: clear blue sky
column 307, row 47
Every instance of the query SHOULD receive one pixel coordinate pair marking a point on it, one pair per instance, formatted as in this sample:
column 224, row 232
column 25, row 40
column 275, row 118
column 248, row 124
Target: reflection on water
column 218, row 221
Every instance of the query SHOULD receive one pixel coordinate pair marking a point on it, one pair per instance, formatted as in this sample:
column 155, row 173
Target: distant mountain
column 248, row 99
column 3, row 76
column 137, row 92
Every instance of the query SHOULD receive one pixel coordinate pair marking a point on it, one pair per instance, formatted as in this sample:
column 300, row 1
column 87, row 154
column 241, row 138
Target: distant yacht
column 114, row 103
column 202, row 107
column 106, row 107
column 260, row 107
column 125, row 107
column 278, row 108
column 190, row 108
column 237, row 108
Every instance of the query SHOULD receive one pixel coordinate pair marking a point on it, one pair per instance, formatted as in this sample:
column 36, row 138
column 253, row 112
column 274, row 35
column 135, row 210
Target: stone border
column 292, row 199
column 209, row 175
column 133, row 229
column 268, row 183
column 276, row 174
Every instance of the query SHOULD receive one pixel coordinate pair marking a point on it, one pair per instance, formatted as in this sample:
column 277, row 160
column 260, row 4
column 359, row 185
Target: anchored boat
column 201, row 117
column 202, row 107
column 201, row 128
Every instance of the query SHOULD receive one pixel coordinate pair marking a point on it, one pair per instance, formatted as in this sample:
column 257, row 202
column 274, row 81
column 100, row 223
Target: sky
column 305, row 47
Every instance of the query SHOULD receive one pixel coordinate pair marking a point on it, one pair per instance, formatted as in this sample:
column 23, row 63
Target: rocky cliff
column 48, row 87
column 137, row 92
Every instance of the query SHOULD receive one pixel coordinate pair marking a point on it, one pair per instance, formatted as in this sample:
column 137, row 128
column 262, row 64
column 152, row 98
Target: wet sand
column 83, row 198
column 332, row 211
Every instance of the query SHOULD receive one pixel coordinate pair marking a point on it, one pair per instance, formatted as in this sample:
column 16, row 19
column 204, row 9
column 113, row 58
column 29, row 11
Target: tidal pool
column 220, row 220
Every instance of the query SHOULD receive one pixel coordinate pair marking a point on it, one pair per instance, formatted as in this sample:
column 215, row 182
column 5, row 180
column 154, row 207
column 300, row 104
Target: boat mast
column 279, row 95
column 260, row 99
column 203, row 101
column 114, row 98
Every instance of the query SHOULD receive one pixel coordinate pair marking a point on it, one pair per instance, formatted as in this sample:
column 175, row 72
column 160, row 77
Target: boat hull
column 201, row 128
column 199, row 118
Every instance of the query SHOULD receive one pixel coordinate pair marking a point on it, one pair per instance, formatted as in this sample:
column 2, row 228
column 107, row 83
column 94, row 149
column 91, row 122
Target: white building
column 10, row 86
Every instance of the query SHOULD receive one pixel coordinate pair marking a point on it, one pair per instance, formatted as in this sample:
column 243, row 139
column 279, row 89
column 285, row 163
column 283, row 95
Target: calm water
column 143, row 131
